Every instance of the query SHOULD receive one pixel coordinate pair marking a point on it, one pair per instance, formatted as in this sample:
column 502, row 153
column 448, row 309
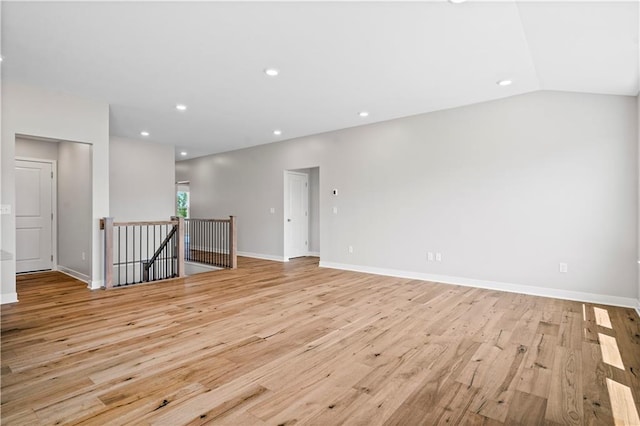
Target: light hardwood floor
column 278, row 344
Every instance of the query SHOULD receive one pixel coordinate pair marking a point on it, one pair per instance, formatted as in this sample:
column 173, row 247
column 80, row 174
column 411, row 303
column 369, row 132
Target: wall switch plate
column 84, row 256
column 335, row 210
column 350, row 249
column 438, row 257
column 272, row 210
column 563, row 267
column 5, row 209
column 430, row 256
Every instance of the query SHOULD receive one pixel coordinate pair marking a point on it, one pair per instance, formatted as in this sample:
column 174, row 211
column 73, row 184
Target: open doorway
column 53, row 206
column 301, row 212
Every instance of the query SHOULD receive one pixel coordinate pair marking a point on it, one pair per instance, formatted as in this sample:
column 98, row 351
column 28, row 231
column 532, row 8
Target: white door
column 34, row 216
column 297, row 214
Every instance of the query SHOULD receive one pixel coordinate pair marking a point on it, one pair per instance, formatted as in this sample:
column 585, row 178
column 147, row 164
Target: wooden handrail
column 209, row 220
column 144, row 223
column 140, row 223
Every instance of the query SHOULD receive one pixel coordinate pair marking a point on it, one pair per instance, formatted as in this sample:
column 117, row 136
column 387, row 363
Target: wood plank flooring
column 290, row 343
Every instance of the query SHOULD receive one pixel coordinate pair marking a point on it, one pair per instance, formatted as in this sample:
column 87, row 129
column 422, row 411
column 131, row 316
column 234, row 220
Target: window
column 182, row 200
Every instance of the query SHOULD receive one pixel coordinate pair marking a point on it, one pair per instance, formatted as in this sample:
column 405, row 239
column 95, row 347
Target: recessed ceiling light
column 457, row 1
column 181, row 107
column 363, row 114
column 504, row 83
column 144, row 133
column 277, row 132
column 183, row 153
column 271, row 72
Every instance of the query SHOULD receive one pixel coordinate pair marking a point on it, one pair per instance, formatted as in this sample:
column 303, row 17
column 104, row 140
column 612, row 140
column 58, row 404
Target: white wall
column 35, row 112
column 183, row 171
column 314, row 210
column 6, row 256
column 142, row 180
column 43, row 150
column 74, row 209
column 505, row 190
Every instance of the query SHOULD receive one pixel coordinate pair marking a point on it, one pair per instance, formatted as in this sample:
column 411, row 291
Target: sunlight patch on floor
column 622, row 405
column 610, row 351
column 602, row 317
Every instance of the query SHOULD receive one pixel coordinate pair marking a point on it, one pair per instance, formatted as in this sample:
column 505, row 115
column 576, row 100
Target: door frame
column 285, row 212
column 54, row 204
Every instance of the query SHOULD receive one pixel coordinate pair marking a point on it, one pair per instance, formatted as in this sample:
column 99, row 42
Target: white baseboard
column 73, row 273
column 8, row 298
column 272, row 257
column 579, row 296
column 91, row 285
column 95, row 284
column 263, row 256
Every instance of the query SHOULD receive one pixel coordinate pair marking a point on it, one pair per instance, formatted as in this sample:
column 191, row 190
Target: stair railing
column 137, row 252
column 212, row 242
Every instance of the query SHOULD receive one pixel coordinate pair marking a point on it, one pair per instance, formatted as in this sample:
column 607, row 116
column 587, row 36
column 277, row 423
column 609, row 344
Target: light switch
column 5, row 209
column 272, row 210
column 335, row 210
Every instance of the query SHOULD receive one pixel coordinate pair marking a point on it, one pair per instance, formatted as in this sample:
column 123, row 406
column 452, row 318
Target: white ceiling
column 392, row 59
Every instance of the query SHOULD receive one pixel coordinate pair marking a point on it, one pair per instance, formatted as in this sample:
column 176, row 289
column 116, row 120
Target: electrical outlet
column 438, row 257
column 350, row 249
column 430, row 256
column 563, row 268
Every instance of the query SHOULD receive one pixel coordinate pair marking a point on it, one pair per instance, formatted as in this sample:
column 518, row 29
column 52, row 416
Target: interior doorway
column 301, row 213
column 70, row 218
column 296, row 213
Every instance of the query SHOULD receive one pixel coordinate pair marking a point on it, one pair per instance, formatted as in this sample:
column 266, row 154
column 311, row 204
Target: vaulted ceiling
column 335, row 60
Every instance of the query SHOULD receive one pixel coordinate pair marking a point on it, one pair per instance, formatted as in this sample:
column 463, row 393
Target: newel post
column 107, row 224
column 181, row 271
column 233, row 242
